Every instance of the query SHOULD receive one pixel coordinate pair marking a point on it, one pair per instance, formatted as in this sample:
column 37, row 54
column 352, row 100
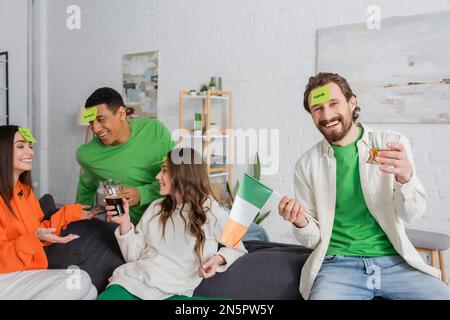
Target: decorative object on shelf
column 213, row 83
column 193, row 92
column 257, row 176
column 204, row 89
column 219, row 83
column 140, row 83
column 213, row 111
column 213, row 125
column 198, row 124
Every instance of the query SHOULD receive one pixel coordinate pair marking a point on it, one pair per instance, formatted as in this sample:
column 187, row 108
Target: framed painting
column 140, row 83
column 400, row 73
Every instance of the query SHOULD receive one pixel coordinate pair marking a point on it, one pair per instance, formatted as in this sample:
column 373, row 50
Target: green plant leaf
column 260, row 217
column 257, row 168
column 229, row 192
column 235, row 190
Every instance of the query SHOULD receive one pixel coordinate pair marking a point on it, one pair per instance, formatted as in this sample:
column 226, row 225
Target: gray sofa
column 270, row 271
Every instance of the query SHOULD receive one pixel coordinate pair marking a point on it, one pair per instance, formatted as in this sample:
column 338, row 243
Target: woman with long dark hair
column 24, row 233
column 175, row 245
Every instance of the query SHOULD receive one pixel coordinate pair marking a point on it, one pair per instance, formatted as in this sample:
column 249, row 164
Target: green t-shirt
column 355, row 230
column 136, row 162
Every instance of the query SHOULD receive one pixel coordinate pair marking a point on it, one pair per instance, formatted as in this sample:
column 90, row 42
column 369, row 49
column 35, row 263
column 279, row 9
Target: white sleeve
column 308, row 236
column 133, row 243
column 410, row 199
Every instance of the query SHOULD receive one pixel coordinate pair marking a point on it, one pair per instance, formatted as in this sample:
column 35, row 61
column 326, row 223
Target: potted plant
column 212, row 84
column 204, row 89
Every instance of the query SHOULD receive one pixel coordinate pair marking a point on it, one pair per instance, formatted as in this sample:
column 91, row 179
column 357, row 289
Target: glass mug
column 112, row 190
column 376, row 145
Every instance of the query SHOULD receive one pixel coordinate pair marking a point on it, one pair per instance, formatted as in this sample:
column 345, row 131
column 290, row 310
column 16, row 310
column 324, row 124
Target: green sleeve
column 87, row 189
column 150, row 192
column 88, row 183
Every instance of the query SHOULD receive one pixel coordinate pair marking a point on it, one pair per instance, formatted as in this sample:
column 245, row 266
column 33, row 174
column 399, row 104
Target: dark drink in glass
column 117, row 203
column 112, row 190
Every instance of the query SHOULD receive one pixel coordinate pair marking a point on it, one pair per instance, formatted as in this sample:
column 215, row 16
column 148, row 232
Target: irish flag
column 252, row 195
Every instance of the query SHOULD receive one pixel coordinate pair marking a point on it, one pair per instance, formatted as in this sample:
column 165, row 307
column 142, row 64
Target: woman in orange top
column 24, row 233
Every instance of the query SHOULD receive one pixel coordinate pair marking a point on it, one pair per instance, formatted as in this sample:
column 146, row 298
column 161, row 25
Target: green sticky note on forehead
column 320, row 95
column 164, row 159
column 26, row 134
column 89, row 114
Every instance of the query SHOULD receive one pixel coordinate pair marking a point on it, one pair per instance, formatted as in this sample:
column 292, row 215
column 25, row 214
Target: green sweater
column 355, row 230
column 133, row 162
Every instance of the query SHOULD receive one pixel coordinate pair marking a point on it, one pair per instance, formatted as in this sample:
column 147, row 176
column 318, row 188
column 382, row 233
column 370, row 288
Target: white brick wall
column 263, row 49
column 14, row 16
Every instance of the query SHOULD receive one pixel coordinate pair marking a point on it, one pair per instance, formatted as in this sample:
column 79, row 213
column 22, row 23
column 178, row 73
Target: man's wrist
column 301, row 224
column 403, row 180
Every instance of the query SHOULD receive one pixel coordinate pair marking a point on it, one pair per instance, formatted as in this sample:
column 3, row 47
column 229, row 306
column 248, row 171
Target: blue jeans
column 364, row 278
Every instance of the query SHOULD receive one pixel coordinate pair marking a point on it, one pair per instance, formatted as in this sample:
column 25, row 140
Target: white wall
column 263, row 49
column 14, row 39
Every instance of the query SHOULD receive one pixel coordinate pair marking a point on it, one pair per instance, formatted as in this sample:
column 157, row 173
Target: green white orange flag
column 252, row 195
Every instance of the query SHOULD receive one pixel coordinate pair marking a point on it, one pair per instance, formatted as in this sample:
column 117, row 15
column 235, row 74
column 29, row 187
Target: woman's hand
column 123, row 221
column 46, row 235
column 88, row 215
column 208, row 269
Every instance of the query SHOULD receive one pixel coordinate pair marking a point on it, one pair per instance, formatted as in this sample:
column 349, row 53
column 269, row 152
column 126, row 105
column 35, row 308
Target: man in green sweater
column 127, row 150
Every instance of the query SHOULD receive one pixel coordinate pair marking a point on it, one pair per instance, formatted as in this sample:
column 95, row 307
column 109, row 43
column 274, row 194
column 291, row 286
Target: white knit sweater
column 158, row 268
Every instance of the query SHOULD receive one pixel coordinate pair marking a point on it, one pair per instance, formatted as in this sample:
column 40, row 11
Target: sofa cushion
column 96, row 251
column 48, row 206
column 270, row 271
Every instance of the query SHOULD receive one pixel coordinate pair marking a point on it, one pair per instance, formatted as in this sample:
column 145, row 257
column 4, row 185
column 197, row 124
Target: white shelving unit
column 209, row 105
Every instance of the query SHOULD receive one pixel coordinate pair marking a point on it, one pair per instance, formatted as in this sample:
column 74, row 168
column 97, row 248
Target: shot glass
column 378, row 142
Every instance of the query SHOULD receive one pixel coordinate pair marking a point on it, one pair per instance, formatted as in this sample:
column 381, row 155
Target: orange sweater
column 20, row 249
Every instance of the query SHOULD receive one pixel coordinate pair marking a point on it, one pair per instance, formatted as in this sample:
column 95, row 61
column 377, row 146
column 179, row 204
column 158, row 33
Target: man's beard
column 336, row 135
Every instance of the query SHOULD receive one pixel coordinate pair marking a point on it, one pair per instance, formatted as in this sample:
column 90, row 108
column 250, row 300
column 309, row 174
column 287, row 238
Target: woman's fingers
column 57, row 239
column 115, row 218
column 46, row 230
column 69, row 238
column 207, row 272
column 112, row 214
column 201, row 272
column 126, row 205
